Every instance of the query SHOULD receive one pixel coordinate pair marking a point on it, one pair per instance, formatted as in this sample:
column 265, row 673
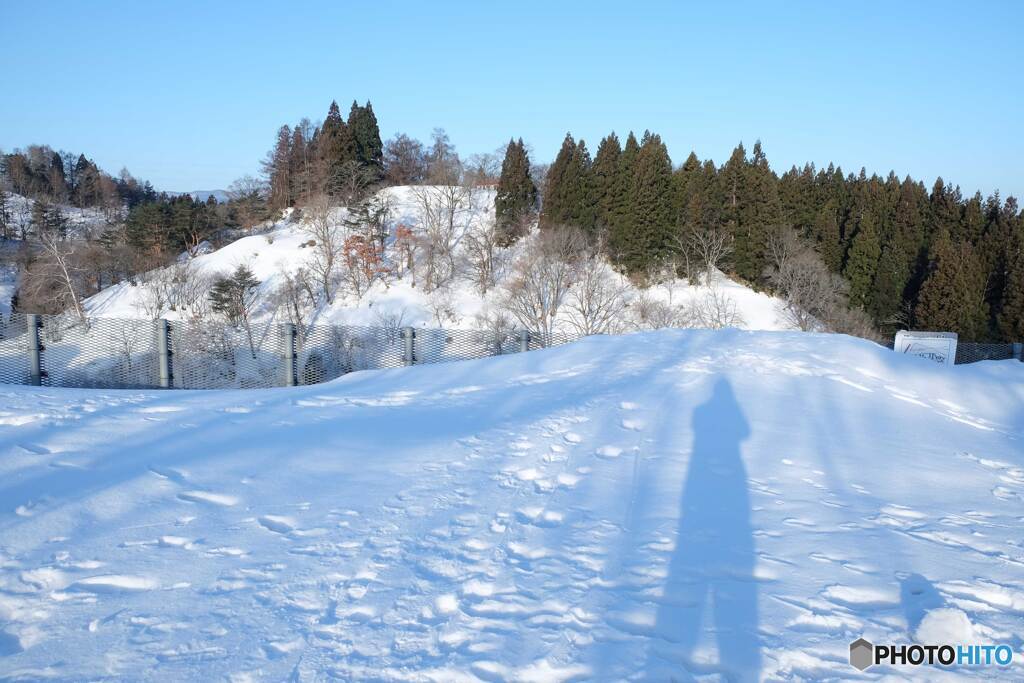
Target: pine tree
column 233, row 296
column 887, row 289
column 689, row 196
column 619, row 207
column 605, row 174
column 760, row 217
column 57, row 181
column 553, row 210
column 645, row 238
column 953, row 296
column 862, row 262
column 1011, row 315
column 944, row 205
column 829, row 241
column 516, row 198
column 278, row 168
column 336, row 149
column 568, row 193
column 369, row 149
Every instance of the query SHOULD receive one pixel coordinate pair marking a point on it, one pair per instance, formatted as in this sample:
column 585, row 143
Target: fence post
column 35, row 367
column 524, row 340
column 289, row 354
column 1018, row 351
column 409, row 334
column 163, row 352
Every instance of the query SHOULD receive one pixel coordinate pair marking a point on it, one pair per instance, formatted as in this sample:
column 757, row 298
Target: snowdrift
column 653, row 506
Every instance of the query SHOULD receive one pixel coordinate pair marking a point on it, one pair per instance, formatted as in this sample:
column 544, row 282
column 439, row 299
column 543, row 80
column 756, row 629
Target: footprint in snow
column 608, row 452
column 218, row 499
column 278, row 523
column 34, row 448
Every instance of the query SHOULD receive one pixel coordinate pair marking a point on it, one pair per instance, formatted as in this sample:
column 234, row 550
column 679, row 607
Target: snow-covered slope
column 79, row 222
column 283, row 249
column 596, row 511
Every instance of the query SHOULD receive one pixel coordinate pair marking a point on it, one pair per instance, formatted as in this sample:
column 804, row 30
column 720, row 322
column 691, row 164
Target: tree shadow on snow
column 711, row 574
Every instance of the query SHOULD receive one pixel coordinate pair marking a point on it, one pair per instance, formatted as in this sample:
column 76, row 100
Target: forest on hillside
column 849, row 252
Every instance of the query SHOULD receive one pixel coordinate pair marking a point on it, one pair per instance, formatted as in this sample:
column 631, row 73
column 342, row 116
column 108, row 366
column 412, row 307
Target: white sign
column 935, row 346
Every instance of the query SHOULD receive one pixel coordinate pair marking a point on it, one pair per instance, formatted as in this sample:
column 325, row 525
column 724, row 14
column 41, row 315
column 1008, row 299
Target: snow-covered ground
column 654, row 506
column 282, row 248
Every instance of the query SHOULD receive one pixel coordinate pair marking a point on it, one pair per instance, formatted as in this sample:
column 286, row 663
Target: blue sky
column 189, row 95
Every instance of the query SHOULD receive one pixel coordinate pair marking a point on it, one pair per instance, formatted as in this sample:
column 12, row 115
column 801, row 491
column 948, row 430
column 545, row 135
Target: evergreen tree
column 645, row 239
column 1011, row 315
column 618, row 204
column 233, row 296
column 553, row 210
column 952, row 297
column 945, row 208
column 605, row 174
column 57, row 181
column 828, row 238
column 278, row 167
column 887, row 290
column 516, row 198
column 336, row 149
column 761, row 217
column 568, row 194
column 369, row 150
column 689, row 200
column 862, row 262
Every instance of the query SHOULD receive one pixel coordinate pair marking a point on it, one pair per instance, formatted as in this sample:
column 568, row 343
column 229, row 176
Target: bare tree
column 322, row 225
column 716, row 310
column 485, row 168
column 597, row 299
column 482, row 248
column 296, row 298
column 497, row 328
column 814, row 297
column 188, row 289
column 407, row 245
column 58, row 272
column 152, row 297
column 701, row 252
column 405, row 161
column 248, row 195
column 441, row 306
column 442, row 208
column 650, row 314
column 351, row 182
column 542, row 278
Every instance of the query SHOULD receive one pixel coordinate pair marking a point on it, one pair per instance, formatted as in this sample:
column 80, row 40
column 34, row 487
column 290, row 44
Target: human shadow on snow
column 711, row 573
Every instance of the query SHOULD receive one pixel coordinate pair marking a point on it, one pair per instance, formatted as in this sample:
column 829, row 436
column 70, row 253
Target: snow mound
column 945, row 625
column 674, row 505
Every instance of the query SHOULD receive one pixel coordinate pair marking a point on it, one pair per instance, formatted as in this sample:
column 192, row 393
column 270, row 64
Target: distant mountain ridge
column 202, row 195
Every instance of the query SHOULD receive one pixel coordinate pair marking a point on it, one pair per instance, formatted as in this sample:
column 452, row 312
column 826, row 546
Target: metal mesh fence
column 220, row 356
column 115, row 353
column 99, row 352
column 14, row 364
column 971, row 352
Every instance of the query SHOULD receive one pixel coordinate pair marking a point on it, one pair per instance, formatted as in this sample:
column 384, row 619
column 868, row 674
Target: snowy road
column 651, row 507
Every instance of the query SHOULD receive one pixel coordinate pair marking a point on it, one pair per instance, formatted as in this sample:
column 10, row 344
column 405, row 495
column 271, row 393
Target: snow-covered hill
column 598, row 511
column 79, row 222
column 283, row 248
